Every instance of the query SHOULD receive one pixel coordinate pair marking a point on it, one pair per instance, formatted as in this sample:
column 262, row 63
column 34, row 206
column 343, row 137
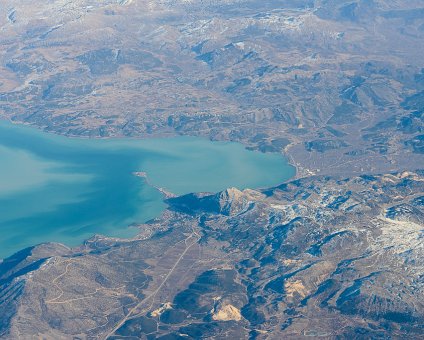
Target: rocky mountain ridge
column 317, row 256
column 307, row 78
column 335, row 85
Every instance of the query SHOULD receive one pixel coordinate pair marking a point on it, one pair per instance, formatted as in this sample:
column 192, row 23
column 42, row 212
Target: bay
column 59, row 189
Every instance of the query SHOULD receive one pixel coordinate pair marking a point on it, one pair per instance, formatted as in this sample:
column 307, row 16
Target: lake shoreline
column 170, row 134
column 87, row 186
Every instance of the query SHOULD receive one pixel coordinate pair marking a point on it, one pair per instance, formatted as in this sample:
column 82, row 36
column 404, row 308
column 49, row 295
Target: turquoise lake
column 59, row 189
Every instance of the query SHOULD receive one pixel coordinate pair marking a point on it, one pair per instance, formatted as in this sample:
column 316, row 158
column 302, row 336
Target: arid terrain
column 335, row 85
column 314, row 257
column 339, row 79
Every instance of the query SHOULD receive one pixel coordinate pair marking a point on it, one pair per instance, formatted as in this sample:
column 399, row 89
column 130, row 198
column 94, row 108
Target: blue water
column 54, row 188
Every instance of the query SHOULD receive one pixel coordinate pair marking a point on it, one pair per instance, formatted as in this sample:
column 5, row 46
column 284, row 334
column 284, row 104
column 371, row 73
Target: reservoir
column 59, row 189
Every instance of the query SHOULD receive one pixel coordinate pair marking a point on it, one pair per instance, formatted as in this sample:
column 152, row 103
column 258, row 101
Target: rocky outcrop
column 227, row 313
column 228, row 202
